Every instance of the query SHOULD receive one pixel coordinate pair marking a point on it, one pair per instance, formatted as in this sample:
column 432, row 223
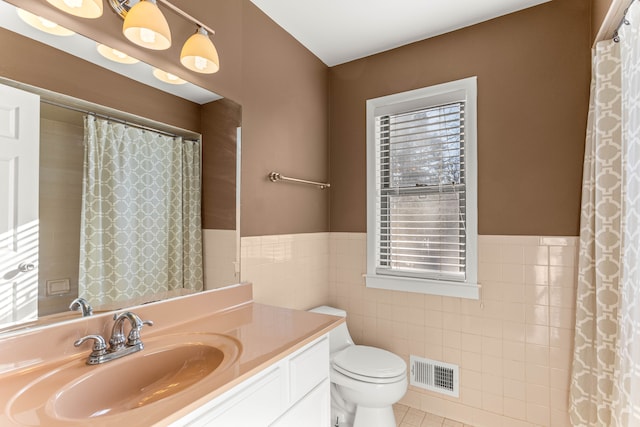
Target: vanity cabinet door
column 254, row 403
column 313, row 410
column 308, row 368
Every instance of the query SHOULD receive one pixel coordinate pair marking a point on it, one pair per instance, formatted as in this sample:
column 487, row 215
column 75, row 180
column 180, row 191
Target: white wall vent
column 435, row 376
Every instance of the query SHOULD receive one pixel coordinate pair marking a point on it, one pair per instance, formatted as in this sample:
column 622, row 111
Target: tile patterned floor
column 410, row 417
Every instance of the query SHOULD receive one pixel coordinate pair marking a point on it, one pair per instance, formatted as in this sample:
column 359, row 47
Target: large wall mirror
column 55, row 263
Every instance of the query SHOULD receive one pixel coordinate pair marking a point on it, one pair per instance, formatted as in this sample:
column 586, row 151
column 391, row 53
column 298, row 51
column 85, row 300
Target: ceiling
column 339, row 31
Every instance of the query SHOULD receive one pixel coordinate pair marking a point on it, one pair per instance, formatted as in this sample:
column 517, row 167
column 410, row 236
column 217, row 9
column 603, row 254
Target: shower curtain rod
column 623, row 21
column 115, row 119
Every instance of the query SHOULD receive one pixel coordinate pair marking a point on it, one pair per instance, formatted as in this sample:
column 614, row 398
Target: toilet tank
column 339, row 337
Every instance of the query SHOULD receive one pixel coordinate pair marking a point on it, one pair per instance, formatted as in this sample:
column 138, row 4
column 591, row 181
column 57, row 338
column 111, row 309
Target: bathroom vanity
column 214, row 358
column 291, row 392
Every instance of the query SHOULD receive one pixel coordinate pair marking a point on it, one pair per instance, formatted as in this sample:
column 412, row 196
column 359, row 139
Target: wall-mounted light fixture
column 82, row 8
column 39, row 23
column 145, row 25
column 115, row 55
column 163, row 76
column 199, row 54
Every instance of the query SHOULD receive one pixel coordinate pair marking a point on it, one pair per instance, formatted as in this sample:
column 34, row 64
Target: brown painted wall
column 284, row 119
column 66, row 74
column 282, row 87
column 34, row 63
column 220, row 119
column 598, row 12
column 533, row 71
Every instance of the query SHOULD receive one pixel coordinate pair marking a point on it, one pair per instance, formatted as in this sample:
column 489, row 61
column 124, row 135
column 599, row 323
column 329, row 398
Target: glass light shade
column 199, row 54
column 163, row 76
column 43, row 24
column 82, row 8
column 146, row 26
column 115, row 55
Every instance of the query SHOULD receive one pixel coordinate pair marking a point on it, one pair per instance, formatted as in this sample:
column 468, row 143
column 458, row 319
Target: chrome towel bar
column 275, row 177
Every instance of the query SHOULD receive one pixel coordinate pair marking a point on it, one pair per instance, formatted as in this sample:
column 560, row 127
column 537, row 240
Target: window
column 422, row 192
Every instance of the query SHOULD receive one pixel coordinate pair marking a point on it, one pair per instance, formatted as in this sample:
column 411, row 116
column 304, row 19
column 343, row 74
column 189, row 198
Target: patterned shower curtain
column 626, row 402
column 141, row 232
column 605, row 386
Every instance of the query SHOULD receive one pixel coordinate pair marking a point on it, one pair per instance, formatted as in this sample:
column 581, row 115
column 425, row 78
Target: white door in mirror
column 19, row 159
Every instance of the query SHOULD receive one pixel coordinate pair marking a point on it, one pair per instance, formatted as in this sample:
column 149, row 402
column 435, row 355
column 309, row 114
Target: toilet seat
column 370, row 364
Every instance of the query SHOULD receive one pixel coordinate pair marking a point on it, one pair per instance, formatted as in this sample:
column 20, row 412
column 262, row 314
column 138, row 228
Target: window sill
column 424, row 286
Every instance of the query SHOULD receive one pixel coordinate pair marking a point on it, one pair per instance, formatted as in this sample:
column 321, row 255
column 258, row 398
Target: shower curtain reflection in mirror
column 141, row 227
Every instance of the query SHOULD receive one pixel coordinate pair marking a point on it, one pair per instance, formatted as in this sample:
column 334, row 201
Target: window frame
column 459, row 90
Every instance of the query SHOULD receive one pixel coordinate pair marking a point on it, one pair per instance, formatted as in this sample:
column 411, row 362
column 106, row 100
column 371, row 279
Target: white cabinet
column 292, row 392
column 313, row 410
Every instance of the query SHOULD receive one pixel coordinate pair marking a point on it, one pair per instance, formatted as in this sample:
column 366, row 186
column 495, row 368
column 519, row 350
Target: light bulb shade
column 115, row 55
column 42, row 24
column 82, row 8
column 199, row 54
column 163, row 76
column 146, row 26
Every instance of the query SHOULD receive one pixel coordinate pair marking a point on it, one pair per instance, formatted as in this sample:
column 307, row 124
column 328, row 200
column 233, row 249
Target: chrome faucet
column 81, row 304
column 118, row 345
column 117, row 341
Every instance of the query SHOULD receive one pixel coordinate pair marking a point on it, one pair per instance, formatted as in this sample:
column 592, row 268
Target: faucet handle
column 134, row 333
column 99, row 344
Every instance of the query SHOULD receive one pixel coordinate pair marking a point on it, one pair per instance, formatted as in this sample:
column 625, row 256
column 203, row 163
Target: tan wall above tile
column 66, row 74
column 283, row 89
column 284, row 129
column 220, row 120
column 533, row 71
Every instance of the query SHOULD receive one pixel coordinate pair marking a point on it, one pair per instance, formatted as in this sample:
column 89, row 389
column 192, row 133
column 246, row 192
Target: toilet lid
column 362, row 360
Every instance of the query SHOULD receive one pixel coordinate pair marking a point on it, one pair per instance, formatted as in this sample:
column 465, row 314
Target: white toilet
column 365, row 381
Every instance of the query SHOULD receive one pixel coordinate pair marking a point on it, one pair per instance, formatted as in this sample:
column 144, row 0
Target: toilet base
column 378, row 417
column 365, row 417
column 359, row 404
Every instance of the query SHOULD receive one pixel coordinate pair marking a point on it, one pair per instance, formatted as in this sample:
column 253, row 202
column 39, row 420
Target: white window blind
column 422, row 226
column 420, row 193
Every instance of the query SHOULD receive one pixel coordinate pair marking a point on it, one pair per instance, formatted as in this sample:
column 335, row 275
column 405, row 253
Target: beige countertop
column 266, row 334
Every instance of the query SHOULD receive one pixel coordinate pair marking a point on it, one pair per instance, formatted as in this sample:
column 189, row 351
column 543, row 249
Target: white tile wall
column 287, row 270
column 219, row 256
column 513, row 347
